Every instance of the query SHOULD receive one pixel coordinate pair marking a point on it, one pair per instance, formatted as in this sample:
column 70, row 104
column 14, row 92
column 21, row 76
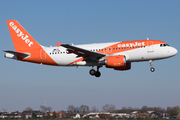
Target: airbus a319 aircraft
column 116, row 55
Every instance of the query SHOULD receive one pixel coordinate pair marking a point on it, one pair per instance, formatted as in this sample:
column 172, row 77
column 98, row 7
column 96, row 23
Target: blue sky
column 80, row 22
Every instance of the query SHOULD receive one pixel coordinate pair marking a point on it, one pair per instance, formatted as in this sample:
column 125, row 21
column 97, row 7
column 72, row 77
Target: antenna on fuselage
column 147, row 38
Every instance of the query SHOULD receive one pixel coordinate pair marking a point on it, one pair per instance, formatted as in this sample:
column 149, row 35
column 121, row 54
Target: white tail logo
column 21, row 34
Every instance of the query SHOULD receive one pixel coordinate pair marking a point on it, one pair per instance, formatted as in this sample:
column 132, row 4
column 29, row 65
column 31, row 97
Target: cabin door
column 150, row 47
column 42, row 54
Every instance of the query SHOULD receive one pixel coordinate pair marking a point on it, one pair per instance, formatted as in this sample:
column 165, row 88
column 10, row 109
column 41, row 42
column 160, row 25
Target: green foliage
column 54, row 114
column 34, row 115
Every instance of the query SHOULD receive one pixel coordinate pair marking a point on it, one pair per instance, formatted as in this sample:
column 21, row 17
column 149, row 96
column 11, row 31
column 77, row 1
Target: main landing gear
column 151, row 64
column 95, row 73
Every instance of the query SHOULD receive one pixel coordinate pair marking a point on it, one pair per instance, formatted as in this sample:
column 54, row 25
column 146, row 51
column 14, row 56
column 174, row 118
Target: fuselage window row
column 109, row 49
column 58, row 53
column 117, row 48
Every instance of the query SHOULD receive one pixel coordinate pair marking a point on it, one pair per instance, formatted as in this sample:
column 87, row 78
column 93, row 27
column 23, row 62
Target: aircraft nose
column 174, row 51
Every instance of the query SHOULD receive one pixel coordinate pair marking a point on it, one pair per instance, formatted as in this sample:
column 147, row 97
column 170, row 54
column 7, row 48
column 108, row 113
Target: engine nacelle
column 115, row 61
column 127, row 67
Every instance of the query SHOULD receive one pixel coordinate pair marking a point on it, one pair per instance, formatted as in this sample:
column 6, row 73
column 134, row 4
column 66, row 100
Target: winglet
column 58, row 44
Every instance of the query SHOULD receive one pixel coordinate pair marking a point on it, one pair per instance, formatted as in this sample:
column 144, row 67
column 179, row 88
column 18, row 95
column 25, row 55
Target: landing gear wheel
column 152, row 69
column 92, row 72
column 97, row 74
column 151, row 64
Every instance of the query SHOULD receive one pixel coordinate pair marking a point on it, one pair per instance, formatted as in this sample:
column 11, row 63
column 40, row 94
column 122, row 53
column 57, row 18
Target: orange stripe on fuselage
column 125, row 46
column 128, row 45
column 35, row 57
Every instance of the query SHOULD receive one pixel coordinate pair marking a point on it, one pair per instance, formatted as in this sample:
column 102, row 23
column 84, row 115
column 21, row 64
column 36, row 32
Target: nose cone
column 174, row 51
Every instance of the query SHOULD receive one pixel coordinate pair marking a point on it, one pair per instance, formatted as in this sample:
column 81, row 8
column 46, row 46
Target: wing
column 80, row 52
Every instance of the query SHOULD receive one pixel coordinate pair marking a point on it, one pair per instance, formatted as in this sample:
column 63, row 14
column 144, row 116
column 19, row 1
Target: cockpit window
column 163, row 45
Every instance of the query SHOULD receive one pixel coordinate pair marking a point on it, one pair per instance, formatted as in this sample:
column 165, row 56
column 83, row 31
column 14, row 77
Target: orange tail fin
column 22, row 40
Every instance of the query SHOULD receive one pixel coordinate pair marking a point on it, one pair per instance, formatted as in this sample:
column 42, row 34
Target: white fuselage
column 153, row 52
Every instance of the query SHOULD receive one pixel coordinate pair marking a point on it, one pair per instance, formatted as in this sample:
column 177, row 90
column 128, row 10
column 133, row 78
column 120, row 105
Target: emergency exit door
column 42, row 54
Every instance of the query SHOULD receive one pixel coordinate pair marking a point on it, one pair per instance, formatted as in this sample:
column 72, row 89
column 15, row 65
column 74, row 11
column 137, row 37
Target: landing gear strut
column 95, row 73
column 151, row 64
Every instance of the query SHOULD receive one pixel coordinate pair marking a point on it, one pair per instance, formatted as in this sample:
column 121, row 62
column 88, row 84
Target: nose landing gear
column 152, row 69
column 151, row 64
column 95, row 73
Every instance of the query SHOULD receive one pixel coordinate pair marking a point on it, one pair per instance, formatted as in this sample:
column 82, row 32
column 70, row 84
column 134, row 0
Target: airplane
column 115, row 55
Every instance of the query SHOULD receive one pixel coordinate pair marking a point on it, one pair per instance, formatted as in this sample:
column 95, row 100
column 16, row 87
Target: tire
column 92, row 72
column 98, row 74
column 152, row 69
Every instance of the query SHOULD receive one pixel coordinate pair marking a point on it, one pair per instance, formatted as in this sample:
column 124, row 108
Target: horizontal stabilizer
column 17, row 54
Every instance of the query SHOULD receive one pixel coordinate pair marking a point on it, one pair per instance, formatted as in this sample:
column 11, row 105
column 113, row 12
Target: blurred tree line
column 83, row 109
column 171, row 111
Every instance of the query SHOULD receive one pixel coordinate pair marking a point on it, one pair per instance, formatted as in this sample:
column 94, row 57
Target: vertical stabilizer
column 27, row 48
column 22, row 40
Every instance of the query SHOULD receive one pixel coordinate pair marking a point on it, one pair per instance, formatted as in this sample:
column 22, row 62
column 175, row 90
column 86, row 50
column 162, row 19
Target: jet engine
column 117, row 62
